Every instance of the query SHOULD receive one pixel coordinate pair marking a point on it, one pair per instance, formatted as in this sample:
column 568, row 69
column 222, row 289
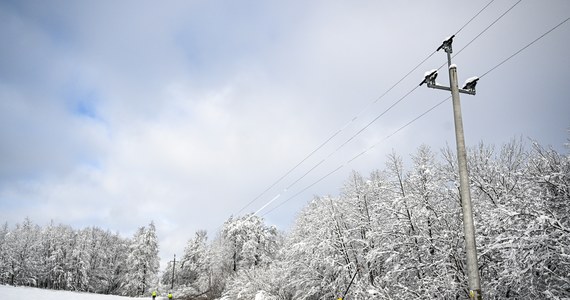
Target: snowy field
column 16, row 293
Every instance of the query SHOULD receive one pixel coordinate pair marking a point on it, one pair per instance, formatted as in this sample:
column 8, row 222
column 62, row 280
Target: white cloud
column 192, row 109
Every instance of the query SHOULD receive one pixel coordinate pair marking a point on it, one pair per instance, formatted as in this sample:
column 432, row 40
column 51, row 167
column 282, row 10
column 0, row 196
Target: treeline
column 89, row 260
column 399, row 233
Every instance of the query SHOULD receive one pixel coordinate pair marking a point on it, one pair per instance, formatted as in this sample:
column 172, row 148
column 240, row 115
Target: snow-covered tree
column 4, row 254
column 116, row 262
column 317, row 259
column 249, row 243
column 22, row 245
column 397, row 234
column 59, row 257
column 195, row 267
column 245, row 246
column 78, row 263
column 142, row 262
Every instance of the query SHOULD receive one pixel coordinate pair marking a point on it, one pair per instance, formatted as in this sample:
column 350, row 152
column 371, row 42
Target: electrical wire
column 482, row 32
column 410, row 122
column 374, row 120
column 340, row 147
column 303, row 190
column 337, row 133
column 487, row 28
column 332, row 153
column 358, row 114
column 295, row 167
column 355, row 135
column 355, row 157
column 523, row 48
column 356, row 117
column 475, row 16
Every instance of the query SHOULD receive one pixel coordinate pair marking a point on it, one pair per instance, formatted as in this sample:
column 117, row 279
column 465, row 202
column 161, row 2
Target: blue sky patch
column 81, row 101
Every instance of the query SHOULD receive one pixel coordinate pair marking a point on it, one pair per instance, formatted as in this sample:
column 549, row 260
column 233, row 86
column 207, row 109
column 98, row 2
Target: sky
column 118, row 113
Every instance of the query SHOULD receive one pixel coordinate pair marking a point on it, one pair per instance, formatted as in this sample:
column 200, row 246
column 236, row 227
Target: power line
column 295, row 167
column 410, row 122
column 355, row 135
column 482, row 32
column 398, row 130
column 374, row 120
column 331, row 154
column 523, row 48
column 418, row 117
column 337, row 149
column 301, row 191
column 487, row 28
column 475, row 16
column 337, row 132
column 354, row 118
column 353, row 158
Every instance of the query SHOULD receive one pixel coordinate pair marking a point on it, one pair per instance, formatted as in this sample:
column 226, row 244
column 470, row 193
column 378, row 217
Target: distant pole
column 465, row 193
column 173, row 267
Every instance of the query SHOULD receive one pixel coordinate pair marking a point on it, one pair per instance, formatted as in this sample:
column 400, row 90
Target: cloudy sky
column 116, row 113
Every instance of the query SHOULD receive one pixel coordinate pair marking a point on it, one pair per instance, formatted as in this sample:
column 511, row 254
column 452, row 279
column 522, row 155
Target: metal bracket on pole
column 470, row 91
column 431, row 75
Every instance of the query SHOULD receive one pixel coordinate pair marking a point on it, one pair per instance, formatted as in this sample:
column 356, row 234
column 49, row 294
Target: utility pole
column 465, row 193
column 173, row 267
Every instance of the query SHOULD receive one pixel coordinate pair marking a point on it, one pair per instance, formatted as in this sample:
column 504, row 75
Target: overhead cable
column 475, row 16
column 341, row 146
column 523, row 48
column 366, row 107
column 487, row 28
column 355, row 157
column 413, row 120
column 357, row 116
column 482, row 32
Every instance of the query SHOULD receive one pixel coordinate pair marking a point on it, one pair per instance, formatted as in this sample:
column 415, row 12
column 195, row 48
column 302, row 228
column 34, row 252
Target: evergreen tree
column 142, row 262
column 4, row 254
column 195, row 264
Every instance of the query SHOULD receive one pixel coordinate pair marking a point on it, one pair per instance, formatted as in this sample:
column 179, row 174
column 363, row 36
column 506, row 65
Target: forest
column 396, row 233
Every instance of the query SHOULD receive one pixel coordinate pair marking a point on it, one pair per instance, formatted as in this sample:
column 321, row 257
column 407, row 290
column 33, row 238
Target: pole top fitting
column 470, row 85
column 429, row 77
column 446, row 44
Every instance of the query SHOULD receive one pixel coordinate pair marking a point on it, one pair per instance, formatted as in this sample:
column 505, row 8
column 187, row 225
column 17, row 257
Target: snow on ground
column 27, row 293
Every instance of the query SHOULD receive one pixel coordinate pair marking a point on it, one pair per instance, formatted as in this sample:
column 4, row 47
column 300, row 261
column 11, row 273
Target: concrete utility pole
column 465, row 193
